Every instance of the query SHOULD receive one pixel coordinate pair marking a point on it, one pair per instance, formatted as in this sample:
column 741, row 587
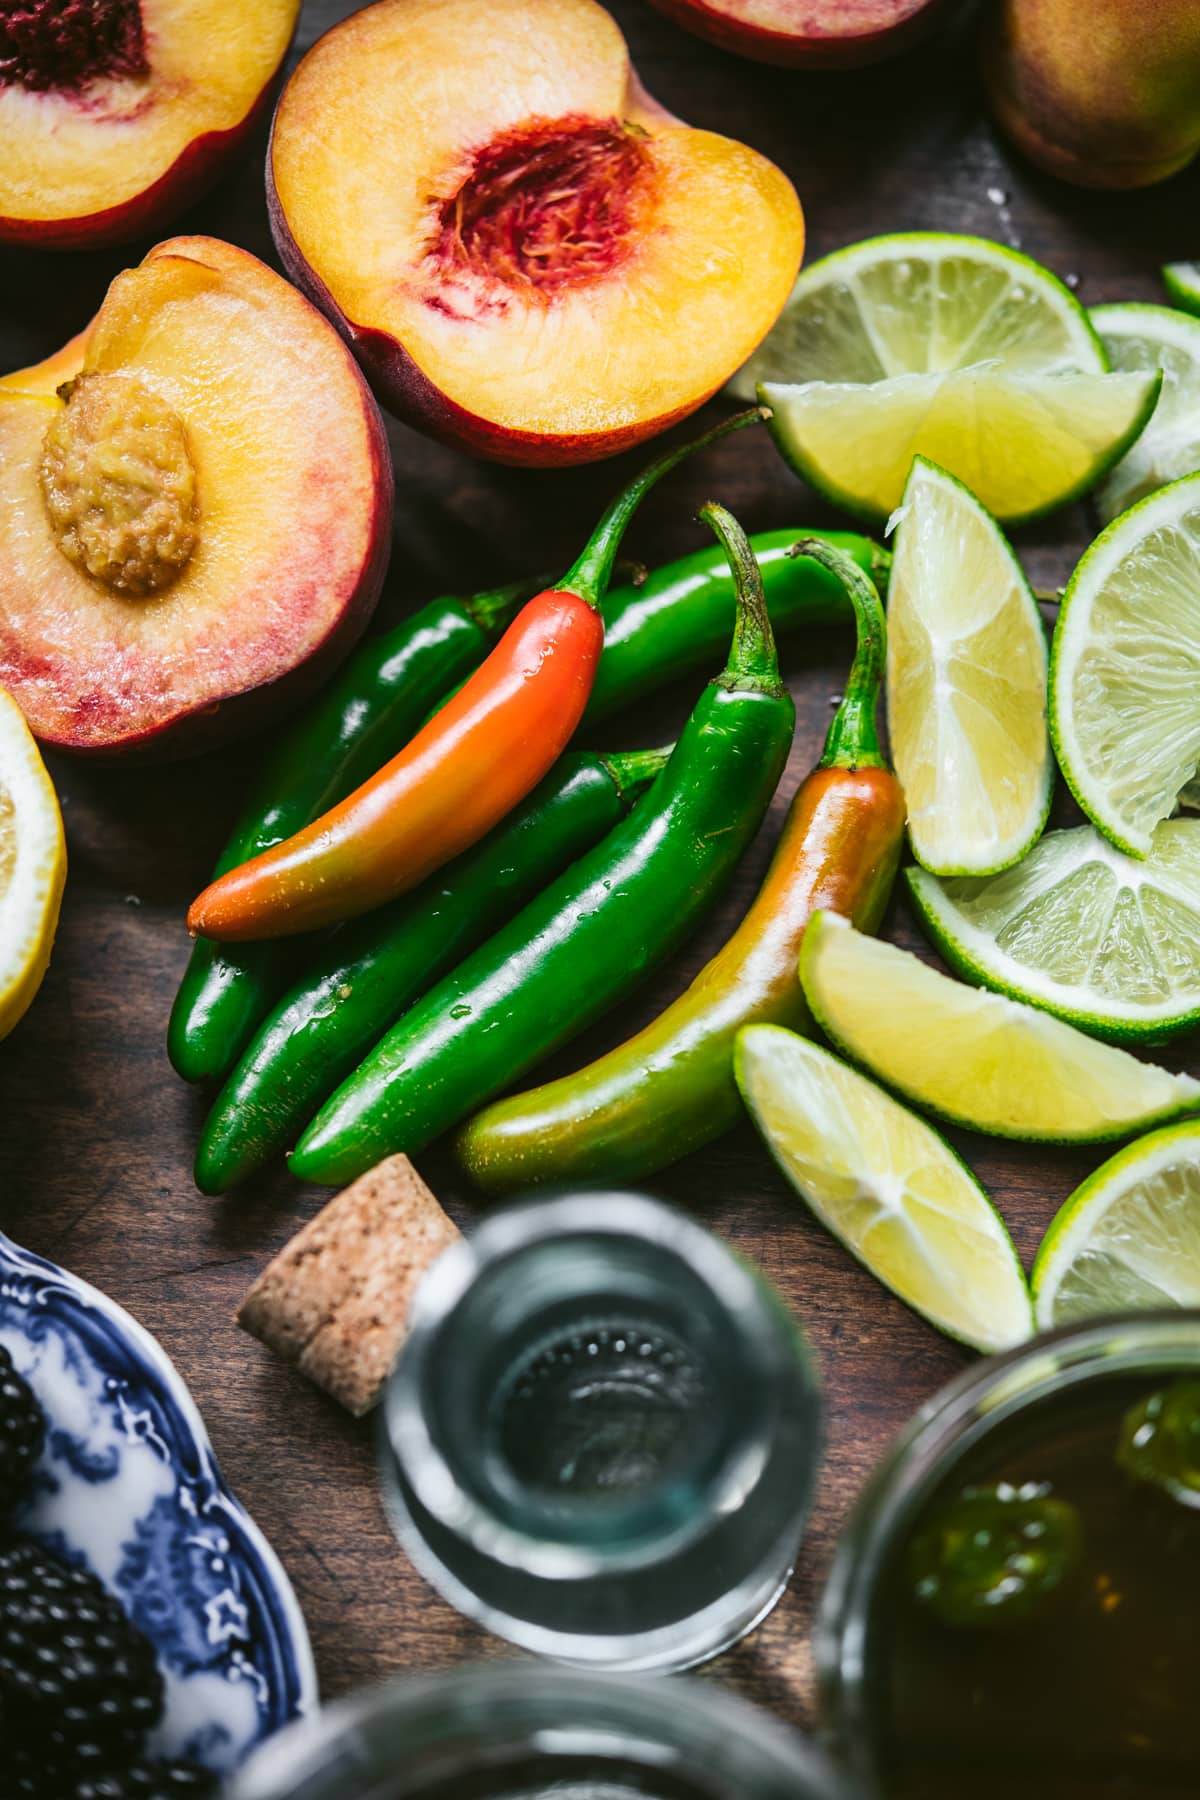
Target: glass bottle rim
column 404, row 1433
column 941, row 1431
column 539, row 1709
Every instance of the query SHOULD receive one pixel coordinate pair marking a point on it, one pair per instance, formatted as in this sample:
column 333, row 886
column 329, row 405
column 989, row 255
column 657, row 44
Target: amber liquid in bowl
column 1093, row 1695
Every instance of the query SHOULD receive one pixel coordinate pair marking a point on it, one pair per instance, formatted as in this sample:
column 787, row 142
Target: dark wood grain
column 95, row 1131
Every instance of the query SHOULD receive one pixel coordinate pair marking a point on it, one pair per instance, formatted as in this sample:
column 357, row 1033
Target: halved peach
column 195, row 508
column 530, row 257
column 116, row 114
column 831, row 34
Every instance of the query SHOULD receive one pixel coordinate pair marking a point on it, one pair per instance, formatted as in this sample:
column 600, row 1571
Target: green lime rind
column 1136, row 729
column 1108, row 886
column 1139, row 337
column 1023, row 1069
column 1003, row 1316
column 1182, row 282
column 800, row 458
column 1117, row 1243
column 880, row 319
column 1019, row 846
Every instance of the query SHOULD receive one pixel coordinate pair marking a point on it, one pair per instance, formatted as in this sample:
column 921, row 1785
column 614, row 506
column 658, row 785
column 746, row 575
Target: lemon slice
column 977, row 1058
column 887, row 1186
column 918, row 303
column 1182, row 282
column 1023, row 443
column 1110, row 943
column 966, row 683
column 33, row 865
column 1129, row 1237
column 1154, row 337
column 1125, row 667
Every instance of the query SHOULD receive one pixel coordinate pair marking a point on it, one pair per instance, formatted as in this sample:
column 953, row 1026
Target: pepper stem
column 590, row 575
column 632, row 770
column 753, row 665
column 494, row 609
column 852, row 741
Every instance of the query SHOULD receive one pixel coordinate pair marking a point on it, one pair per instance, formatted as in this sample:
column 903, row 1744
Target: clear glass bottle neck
column 546, row 1305
column 601, row 1437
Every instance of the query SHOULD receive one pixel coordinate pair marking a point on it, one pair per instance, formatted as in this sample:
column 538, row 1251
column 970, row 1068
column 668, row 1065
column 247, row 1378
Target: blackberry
column 22, row 1433
column 33, row 1778
column 75, row 1673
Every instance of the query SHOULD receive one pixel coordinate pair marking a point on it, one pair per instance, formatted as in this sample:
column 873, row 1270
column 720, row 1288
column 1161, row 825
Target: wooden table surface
column 96, row 1132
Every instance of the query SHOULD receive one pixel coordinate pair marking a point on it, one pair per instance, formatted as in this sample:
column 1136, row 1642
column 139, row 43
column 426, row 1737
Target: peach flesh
column 531, row 258
column 292, row 514
column 117, row 114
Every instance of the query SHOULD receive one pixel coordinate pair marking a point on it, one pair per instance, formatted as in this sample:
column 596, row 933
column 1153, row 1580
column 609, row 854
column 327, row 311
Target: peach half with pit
column 195, row 508
column 830, row 34
column 116, row 114
column 530, row 257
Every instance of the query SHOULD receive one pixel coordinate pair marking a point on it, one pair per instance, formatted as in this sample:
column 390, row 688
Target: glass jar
column 601, row 1436
column 1012, row 1605
column 508, row 1731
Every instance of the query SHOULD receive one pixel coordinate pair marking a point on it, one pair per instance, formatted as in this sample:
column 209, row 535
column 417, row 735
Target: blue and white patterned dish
column 129, row 1486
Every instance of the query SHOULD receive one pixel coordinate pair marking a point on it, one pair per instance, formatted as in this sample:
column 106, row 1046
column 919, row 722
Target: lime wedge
column 1129, row 1236
column 918, row 303
column 1125, row 667
column 1154, row 337
column 1110, row 943
column 966, row 683
column 1182, row 282
column 976, row 1058
column 1024, row 443
column 887, row 1186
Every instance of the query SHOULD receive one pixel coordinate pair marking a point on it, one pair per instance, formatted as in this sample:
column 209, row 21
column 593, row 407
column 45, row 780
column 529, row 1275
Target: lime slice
column 1182, row 282
column 1082, row 930
column 977, row 1058
column 918, row 303
column 1125, row 667
column 887, row 1186
column 1154, row 337
column 1129, row 1237
column 1024, row 443
column 966, row 683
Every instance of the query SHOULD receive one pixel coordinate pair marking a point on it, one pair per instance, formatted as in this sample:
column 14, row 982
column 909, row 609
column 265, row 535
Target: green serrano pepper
column 369, row 711
column 680, row 618
column 368, row 972
column 671, row 1088
column 677, row 619
column 674, row 622
column 591, row 935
